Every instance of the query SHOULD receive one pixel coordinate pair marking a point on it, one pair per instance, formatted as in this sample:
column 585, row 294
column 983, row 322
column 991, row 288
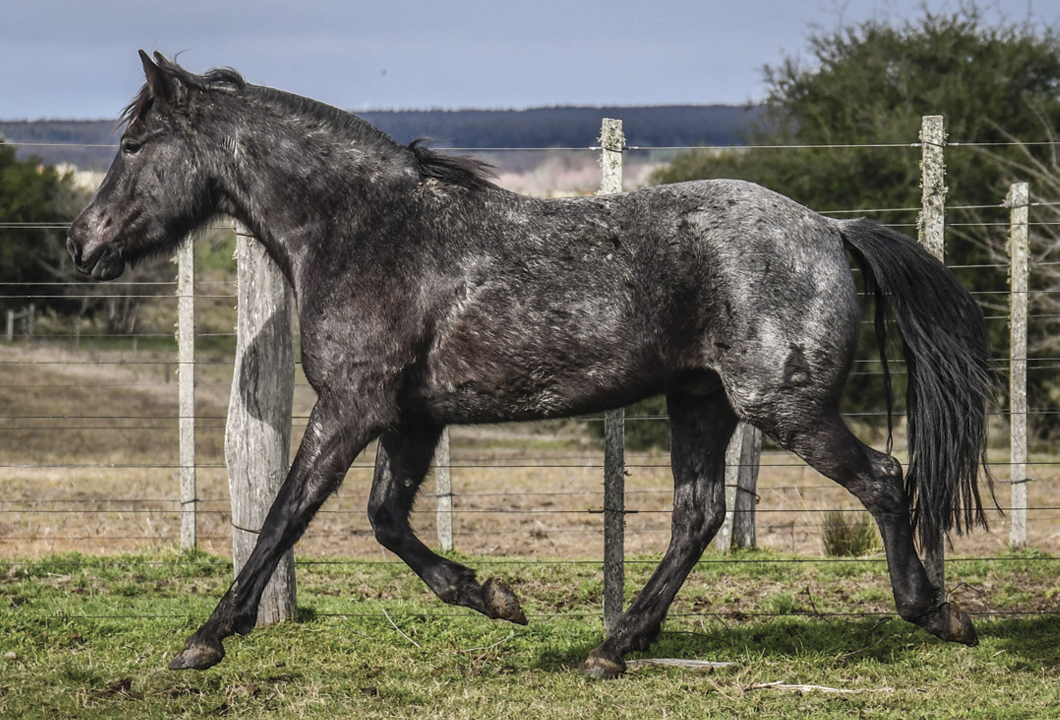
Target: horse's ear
column 162, row 86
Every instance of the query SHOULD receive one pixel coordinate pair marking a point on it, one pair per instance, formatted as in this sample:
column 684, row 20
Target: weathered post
column 258, row 432
column 612, row 144
column 931, row 227
column 443, row 491
column 1018, row 200
column 10, row 326
column 186, row 391
column 743, row 518
column 741, row 488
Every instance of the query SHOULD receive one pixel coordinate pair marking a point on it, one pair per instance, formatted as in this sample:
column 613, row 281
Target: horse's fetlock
column 452, row 595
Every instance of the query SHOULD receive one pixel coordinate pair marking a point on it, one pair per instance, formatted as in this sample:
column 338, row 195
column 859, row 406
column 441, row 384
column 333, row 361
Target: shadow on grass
column 1034, row 639
column 885, row 640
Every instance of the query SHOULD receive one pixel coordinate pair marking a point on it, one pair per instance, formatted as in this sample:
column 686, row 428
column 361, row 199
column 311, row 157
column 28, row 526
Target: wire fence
column 89, row 416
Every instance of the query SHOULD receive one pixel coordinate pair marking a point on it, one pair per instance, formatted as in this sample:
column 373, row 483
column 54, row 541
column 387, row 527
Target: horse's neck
column 302, row 187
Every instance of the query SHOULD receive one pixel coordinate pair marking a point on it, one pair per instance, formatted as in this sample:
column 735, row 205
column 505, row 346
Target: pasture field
column 94, row 600
column 90, row 636
column 88, row 462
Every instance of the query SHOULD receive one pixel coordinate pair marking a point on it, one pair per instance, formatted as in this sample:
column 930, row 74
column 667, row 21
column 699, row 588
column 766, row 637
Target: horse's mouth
column 106, row 264
column 109, row 266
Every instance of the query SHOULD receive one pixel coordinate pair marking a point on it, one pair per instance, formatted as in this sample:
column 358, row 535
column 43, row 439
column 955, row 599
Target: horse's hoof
column 501, row 602
column 603, row 668
column 958, row 625
column 197, row 655
column 951, row 623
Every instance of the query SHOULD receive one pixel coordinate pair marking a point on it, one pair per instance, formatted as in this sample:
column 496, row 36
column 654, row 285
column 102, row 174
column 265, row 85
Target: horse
column 429, row 296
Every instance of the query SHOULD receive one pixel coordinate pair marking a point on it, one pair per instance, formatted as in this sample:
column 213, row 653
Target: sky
column 77, row 58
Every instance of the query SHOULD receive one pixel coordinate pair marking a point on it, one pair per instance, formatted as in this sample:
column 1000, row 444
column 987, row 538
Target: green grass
column 90, row 637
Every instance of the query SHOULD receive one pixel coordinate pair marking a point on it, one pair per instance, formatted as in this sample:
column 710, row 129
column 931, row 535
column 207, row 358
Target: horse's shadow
column 884, row 641
column 272, row 347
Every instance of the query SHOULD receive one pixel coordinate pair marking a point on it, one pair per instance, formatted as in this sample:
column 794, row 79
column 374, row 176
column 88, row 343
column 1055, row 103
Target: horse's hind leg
column 875, row 479
column 402, row 461
column 700, row 432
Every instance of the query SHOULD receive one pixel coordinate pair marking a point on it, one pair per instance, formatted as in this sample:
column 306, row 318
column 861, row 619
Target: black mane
column 463, row 171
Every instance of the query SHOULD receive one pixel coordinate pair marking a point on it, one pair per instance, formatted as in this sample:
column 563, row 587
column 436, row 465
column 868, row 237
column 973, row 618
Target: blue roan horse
column 429, row 296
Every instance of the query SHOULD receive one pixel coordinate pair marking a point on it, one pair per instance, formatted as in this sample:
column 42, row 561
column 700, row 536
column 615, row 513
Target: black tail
column 947, row 357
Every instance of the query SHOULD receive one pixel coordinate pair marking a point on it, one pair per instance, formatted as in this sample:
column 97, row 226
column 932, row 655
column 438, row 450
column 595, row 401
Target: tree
column 37, row 204
column 34, row 208
column 870, row 85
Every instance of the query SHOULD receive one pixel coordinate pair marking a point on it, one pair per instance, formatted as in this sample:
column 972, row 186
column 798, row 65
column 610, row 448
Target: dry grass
column 88, row 455
column 849, row 536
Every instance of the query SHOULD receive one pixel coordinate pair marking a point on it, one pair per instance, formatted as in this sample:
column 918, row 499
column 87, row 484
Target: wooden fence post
column 612, row 144
column 443, row 492
column 258, row 431
column 186, row 391
column 743, row 518
column 931, row 226
column 741, row 488
column 10, row 326
column 1018, row 200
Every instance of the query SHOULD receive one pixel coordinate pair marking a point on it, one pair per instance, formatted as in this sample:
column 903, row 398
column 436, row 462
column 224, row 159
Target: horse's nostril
column 73, row 248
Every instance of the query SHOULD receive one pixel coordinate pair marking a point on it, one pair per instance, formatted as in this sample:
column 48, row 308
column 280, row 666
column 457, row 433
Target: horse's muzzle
column 101, row 261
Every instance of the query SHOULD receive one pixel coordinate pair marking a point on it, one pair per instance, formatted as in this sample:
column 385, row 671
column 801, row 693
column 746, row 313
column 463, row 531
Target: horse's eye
column 130, row 147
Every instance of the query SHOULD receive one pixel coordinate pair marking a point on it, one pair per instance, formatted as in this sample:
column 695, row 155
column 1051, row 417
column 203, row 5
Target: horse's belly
column 506, row 375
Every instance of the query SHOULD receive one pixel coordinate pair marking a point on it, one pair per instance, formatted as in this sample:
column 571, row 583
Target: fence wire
column 48, row 348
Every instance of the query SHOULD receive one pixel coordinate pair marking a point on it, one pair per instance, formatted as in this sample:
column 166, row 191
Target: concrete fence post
column 186, row 392
column 443, row 492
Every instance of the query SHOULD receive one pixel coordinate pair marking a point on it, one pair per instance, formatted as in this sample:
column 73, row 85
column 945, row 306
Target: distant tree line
column 90, row 145
column 568, row 127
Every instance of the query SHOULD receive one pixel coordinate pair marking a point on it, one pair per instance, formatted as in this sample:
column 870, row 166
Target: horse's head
column 162, row 184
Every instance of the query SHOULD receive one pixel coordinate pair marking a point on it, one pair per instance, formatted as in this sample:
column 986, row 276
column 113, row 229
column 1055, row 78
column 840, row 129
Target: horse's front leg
column 328, row 448
column 402, row 461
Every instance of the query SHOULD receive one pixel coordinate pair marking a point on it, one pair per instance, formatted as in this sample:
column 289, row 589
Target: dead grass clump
column 849, row 536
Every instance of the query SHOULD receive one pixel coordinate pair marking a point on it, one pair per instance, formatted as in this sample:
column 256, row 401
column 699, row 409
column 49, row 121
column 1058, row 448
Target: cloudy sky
column 77, row 58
